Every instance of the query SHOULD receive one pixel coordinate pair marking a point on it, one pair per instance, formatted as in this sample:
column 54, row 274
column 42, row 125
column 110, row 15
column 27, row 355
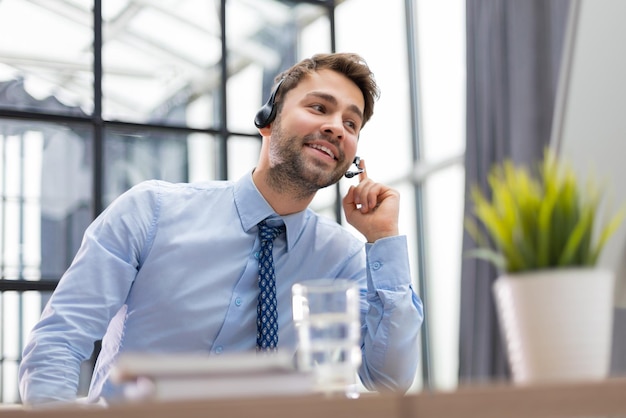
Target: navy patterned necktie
column 267, row 315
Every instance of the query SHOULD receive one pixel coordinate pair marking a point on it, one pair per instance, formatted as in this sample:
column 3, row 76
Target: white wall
column 590, row 117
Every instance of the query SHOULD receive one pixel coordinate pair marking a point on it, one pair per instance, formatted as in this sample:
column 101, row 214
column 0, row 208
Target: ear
column 266, row 130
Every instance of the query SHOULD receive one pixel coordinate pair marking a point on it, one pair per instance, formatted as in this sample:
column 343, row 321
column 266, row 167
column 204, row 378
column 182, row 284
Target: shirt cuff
column 388, row 262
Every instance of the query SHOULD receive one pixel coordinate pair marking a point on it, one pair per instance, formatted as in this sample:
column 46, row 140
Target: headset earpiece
column 267, row 113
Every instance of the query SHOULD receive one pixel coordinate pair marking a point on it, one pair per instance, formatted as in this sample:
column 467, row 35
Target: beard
column 290, row 170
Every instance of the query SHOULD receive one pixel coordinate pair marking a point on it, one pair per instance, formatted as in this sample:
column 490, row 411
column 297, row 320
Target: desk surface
column 584, row 399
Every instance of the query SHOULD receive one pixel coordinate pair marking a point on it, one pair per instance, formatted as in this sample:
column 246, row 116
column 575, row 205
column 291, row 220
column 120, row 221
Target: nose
column 333, row 126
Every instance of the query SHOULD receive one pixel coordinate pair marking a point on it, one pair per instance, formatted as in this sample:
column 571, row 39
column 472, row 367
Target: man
column 174, row 268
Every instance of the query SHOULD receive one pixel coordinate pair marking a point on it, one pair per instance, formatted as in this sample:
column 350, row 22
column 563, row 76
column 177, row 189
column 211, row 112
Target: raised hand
column 372, row 208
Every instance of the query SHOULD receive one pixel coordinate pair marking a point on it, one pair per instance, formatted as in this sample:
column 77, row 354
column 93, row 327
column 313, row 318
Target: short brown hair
column 351, row 65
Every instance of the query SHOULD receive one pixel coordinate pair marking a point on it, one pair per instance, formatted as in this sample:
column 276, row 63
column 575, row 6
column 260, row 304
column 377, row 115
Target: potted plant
column 542, row 232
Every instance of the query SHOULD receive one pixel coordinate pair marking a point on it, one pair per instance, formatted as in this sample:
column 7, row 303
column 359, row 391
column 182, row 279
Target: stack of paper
column 198, row 376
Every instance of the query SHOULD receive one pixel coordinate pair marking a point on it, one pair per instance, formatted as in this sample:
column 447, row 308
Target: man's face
column 314, row 138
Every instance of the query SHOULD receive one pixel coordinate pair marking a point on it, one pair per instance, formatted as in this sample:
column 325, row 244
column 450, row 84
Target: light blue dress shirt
column 173, row 268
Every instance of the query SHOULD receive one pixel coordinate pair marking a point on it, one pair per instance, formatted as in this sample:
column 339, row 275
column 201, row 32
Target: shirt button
column 256, row 255
column 219, row 349
column 376, row 265
column 238, row 301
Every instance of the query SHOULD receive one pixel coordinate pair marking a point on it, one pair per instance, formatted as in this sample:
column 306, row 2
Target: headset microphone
column 356, row 162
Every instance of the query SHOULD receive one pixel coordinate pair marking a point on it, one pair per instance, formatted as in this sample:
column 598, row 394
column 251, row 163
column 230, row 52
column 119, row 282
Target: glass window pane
column 133, row 156
column 385, row 142
column 264, row 38
column 18, row 314
column 444, row 217
column 442, row 72
column 35, row 72
column 441, row 37
column 160, row 59
column 243, row 155
column 46, row 190
column 11, row 347
column 324, row 200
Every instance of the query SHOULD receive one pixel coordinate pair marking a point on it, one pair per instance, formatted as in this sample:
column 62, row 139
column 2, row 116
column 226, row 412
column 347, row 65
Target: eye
column 318, row 107
column 352, row 126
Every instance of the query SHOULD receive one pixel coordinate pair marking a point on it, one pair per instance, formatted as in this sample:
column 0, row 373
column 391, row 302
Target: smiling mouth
column 323, row 149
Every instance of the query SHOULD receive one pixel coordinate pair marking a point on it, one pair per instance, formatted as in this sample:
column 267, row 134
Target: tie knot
column 269, row 233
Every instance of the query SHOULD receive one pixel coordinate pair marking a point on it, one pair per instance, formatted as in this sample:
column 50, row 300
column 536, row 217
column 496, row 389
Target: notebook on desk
column 197, row 376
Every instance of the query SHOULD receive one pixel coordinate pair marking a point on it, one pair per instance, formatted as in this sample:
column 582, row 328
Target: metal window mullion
column 97, row 121
column 222, row 166
column 333, row 47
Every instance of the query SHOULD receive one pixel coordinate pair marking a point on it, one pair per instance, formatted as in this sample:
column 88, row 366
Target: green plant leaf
column 609, row 229
column 538, row 221
column 491, row 256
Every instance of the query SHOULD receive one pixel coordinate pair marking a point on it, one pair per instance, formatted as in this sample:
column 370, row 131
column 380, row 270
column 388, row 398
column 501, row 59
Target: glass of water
column 326, row 316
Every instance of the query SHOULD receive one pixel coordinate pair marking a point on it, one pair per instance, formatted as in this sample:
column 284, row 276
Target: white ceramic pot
column 557, row 324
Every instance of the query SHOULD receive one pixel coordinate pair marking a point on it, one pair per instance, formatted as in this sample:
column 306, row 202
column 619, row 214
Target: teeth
column 323, row 148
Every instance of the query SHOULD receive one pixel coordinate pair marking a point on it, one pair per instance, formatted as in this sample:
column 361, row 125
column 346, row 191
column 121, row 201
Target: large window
column 96, row 96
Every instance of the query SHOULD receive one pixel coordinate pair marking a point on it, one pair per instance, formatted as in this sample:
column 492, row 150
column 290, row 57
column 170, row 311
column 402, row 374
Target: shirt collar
column 253, row 208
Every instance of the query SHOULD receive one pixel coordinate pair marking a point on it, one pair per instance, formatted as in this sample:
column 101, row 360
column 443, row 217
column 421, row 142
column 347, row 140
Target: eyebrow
column 333, row 100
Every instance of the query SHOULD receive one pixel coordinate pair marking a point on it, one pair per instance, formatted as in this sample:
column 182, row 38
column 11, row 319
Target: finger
column 366, row 195
column 363, row 175
column 371, row 196
column 349, row 203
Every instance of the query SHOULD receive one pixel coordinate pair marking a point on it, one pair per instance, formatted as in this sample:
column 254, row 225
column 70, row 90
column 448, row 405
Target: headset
column 267, row 114
column 359, row 170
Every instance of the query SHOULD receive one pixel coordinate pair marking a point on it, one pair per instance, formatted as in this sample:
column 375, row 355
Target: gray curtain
column 513, row 56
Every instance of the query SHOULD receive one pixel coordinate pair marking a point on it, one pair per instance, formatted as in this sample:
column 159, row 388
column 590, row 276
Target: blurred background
column 96, row 96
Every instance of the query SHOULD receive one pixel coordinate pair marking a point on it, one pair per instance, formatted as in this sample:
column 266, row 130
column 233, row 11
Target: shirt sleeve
column 393, row 319
column 90, row 293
